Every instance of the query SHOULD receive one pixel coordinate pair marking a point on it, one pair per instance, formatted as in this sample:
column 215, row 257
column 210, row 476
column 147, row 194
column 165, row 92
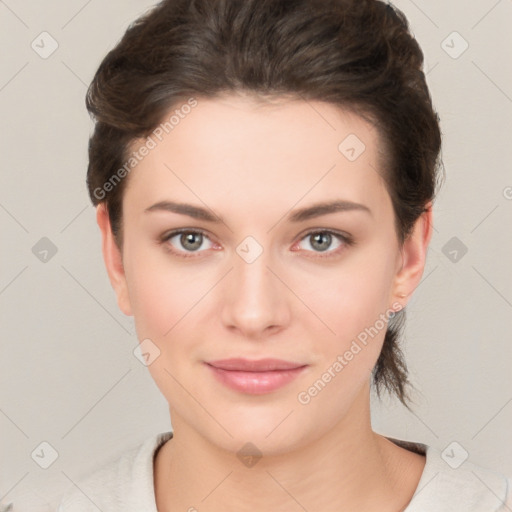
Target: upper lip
column 260, row 365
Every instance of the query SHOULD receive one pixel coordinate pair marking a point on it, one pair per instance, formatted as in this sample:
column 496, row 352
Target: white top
column 126, row 484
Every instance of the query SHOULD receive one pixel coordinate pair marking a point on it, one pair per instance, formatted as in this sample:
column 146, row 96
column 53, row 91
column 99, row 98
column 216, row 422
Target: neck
column 349, row 468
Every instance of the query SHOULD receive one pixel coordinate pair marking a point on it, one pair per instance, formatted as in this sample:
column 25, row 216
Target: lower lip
column 256, row 383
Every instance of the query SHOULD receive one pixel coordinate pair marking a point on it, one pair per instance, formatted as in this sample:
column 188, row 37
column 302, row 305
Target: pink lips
column 255, row 377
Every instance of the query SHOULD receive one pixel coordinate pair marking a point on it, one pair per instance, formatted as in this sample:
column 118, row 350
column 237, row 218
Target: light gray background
column 68, row 374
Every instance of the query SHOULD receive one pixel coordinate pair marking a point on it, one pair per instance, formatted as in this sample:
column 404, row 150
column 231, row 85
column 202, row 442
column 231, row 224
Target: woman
column 264, row 173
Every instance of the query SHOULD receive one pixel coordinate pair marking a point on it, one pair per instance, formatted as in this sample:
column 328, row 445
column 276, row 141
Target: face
column 254, row 272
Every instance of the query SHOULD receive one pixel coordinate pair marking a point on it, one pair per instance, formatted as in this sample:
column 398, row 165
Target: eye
column 321, row 240
column 190, row 241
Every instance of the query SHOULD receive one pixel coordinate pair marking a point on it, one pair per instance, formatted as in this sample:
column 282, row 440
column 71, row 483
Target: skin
column 254, row 164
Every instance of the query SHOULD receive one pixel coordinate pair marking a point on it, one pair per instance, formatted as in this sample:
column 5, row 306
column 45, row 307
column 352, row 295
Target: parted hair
column 358, row 55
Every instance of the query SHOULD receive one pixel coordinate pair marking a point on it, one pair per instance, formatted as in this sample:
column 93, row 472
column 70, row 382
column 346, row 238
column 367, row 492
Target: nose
column 255, row 301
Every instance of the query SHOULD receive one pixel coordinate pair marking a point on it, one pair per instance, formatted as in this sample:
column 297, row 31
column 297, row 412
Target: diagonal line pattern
column 15, row 424
column 492, row 418
column 424, row 13
column 194, row 305
column 74, row 73
column 217, row 486
column 199, row 403
column 196, row 195
column 414, row 414
column 427, row 276
column 493, row 287
column 301, row 300
column 486, row 14
column 73, row 17
column 432, row 68
column 492, row 81
column 10, row 490
column 13, row 13
column 419, row 490
column 76, row 14
column 14, row 76
column 281, row 422
column 267, row 232
column 73, row 219
column 96, row 300
column 87, row 496
column 13, row 217
column 305, row 99
column 305, row 194
column 97, row 402
column 484, row 218
column 499, row 499
column 286, row 491
column 12, row 280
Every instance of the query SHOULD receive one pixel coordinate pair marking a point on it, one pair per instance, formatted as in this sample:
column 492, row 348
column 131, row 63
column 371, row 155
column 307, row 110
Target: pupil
column 189, row 237
column 322, row 237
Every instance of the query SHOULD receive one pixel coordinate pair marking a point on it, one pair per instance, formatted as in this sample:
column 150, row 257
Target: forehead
column 236, row 147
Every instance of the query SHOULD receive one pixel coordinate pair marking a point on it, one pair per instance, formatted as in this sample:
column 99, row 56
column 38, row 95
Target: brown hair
column 355, row 54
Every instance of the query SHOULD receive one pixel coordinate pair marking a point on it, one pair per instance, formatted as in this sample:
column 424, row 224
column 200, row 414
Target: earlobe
column 413, row 255
column 113, row 260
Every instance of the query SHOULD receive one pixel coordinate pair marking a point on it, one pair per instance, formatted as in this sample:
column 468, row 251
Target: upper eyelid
column 334, row 232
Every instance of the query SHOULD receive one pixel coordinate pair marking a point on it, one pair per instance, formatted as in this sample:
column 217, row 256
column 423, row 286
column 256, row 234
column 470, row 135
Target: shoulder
column 452, row 483
column 472, row 488
column 125, row 483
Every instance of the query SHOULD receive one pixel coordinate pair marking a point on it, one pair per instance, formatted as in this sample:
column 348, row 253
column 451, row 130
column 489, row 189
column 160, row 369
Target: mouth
column 255, row 377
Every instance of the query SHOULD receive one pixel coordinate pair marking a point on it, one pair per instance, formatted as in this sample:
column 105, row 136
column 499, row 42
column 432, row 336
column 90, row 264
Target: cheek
column 163, row 297
column 354, row 305
column 353, row 302
column 354, row 296
column 165, row 302
column 156, row 306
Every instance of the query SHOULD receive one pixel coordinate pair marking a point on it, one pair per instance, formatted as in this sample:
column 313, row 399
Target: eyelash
column 345, row 238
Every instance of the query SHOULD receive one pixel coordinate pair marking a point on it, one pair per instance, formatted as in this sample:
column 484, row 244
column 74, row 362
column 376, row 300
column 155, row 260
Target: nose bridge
column 254, row 299
column 252, row 276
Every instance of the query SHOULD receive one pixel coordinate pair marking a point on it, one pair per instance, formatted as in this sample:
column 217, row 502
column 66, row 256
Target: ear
column 113, row 260
column 413, row 257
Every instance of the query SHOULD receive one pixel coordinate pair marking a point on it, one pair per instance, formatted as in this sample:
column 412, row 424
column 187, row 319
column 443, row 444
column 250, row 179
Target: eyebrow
column 299, row 215
column 195, row 212
column 325, row 208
